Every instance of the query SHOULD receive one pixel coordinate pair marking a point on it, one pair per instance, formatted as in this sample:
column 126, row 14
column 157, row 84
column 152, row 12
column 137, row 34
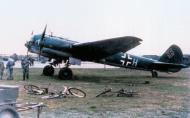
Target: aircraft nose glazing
column 27, row 44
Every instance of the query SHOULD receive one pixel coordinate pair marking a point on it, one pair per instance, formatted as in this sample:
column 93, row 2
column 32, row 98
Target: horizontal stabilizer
column 168, row 67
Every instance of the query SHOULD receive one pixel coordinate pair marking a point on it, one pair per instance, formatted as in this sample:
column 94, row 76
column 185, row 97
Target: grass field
column 165, row 97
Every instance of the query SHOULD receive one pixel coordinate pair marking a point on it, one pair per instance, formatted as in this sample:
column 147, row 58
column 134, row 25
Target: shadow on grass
column 114, row 79
column 120, row 79
column 118, row 76
column 169, row 77
column 171, row 88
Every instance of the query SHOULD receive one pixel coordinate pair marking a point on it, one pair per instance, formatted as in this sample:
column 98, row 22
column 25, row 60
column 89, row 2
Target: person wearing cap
column 9, row 67
column 2, row 67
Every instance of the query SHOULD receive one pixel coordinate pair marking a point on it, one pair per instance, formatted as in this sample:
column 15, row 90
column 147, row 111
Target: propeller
column 43, row 34
column 41, row 40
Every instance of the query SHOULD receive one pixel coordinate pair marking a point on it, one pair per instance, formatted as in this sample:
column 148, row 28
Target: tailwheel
column 154, row 74
column 48, row 70
column 65, row 73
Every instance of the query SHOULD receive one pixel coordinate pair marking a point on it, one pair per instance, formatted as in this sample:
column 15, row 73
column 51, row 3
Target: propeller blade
column 43, row 34
column 42, row 39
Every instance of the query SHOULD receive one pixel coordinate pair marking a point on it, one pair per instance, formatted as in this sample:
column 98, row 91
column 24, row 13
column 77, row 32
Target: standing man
column 2, row 67
column 9, row 67
column 25, row 62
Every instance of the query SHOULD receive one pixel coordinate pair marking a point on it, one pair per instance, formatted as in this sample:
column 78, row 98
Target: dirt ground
column 167, row 96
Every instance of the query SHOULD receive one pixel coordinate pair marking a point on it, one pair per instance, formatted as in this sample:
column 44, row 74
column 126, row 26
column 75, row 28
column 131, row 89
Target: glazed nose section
column 27, row 44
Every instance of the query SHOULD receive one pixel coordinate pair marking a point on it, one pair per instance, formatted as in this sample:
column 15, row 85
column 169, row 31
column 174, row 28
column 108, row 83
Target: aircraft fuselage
column 126, row 60
column 110, row 52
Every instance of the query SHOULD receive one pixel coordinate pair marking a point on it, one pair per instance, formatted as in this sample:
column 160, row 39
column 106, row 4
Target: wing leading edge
column 104, row 48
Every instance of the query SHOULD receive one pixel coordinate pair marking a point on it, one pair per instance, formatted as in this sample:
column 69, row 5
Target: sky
column 159, row 23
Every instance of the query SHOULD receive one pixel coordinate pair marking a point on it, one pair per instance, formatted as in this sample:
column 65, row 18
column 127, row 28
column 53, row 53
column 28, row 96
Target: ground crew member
column 2, row 67
column 25, row 67
column 9, row 67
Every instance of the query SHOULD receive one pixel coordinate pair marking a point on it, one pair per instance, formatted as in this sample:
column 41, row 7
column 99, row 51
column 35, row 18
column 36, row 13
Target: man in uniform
column 25, row 62
column 9, row 67
column 1, row 69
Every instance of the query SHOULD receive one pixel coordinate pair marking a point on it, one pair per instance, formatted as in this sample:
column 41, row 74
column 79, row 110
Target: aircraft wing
column 104, row 48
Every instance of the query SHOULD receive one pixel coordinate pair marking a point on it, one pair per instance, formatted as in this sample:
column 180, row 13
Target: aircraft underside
column 66, row 72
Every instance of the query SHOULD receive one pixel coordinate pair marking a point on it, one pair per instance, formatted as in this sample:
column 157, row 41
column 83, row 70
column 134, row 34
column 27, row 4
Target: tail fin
column 172, row 55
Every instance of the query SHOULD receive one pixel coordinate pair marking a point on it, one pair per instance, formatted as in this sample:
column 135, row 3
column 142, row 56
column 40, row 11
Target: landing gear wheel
column 65, row 73
column 154, row 74
column 48, row 70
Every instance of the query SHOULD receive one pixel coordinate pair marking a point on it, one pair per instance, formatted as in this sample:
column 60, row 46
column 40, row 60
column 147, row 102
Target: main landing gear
column 65, row 73
column 154, row 74
column 48, row 70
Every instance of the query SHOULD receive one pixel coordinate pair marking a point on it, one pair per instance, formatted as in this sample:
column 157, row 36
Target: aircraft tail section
column 172, row 55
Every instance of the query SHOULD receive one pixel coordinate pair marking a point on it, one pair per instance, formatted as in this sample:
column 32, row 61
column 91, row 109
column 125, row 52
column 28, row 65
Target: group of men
column 25, row 63
column 9, row 67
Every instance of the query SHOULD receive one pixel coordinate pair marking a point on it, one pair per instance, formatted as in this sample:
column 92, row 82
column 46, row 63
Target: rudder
column 172, row 55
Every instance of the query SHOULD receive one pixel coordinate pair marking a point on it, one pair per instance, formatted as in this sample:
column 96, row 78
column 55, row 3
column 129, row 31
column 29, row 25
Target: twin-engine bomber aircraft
column 110, row 51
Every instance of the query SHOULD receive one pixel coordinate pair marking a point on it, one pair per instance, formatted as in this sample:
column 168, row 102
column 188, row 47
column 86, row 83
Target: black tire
column 77, row 92
column 48, row 70
column 8, row 112
column 65, row 73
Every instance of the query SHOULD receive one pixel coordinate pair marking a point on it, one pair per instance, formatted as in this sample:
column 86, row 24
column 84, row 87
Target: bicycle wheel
column 77, row 92
column 31, row 87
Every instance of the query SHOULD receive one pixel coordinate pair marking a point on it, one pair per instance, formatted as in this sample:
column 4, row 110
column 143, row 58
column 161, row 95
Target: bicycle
column 119, row 93
column 35, row 90
column 67, row 91
column 28, row 106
